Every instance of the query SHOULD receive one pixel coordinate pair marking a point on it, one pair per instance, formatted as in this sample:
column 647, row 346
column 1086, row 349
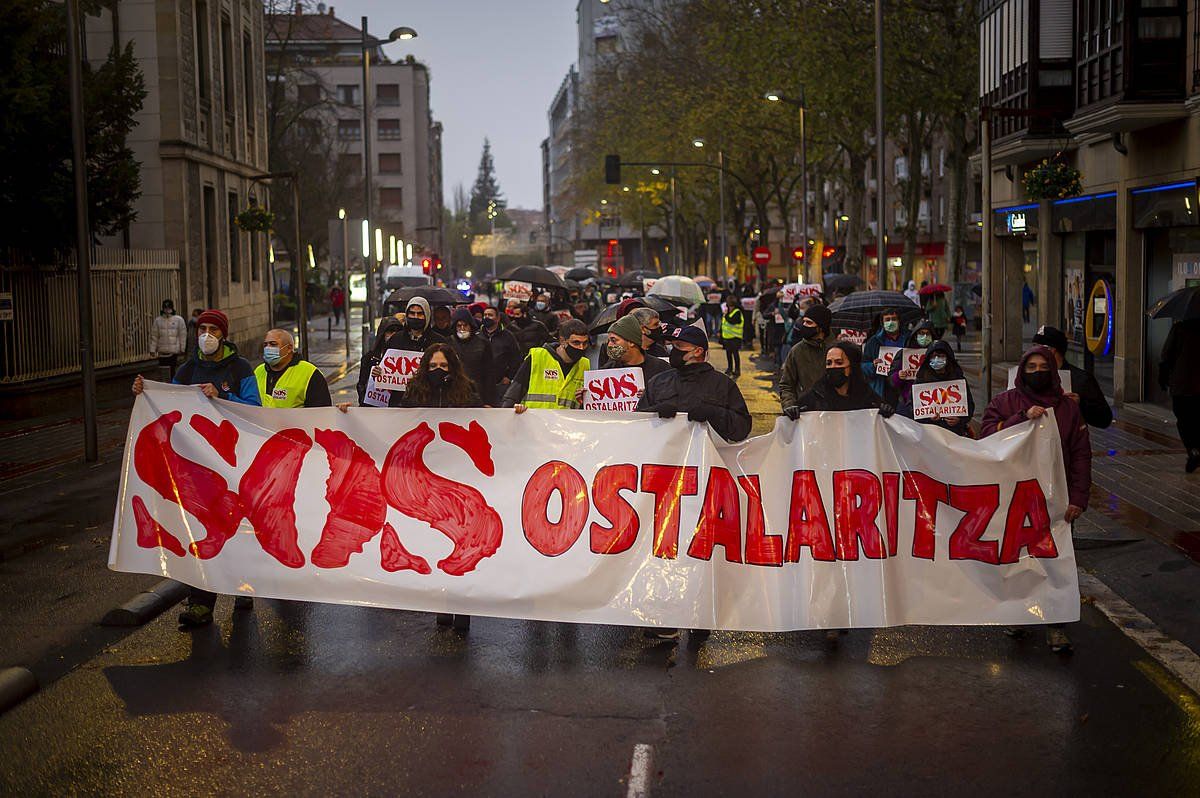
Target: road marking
column 1177, row 658
column 639, row 771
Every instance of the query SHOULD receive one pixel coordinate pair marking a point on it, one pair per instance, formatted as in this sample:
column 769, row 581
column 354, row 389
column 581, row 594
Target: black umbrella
column 538, row 275
column 1182, row 304
column 607, row 316
column 858, row 311
column 432, row 294
column 580, row 274
column 634, row 278
column 842, row 282
column 571, row 285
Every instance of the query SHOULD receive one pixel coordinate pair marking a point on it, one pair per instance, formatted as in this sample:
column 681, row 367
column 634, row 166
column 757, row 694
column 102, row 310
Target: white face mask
column 209, row 343
column 463, row 334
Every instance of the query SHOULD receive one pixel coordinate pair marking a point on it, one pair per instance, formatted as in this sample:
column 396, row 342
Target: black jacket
column 476, row 356
column 533, row 334
column 699, row 388
column 651, row 367
column 547, row 318
column 953, row 371
column 1179, row 369
column 1092, row 404
column 438, row 400
column 506, row 353
column 405, row 341
column 824, row 397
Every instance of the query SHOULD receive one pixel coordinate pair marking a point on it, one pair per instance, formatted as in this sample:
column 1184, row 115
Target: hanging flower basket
column 1052, row 180
column 255, row 219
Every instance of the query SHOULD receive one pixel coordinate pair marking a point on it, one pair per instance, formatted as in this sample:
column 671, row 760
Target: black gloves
column 667, row 411
column 792, row 412
column 700, row 413
column 886, row 410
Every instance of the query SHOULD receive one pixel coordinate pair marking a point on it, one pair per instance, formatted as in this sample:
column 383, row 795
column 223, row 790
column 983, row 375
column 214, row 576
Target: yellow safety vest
column 289, row 389
column 731, row 330
column 548, row 388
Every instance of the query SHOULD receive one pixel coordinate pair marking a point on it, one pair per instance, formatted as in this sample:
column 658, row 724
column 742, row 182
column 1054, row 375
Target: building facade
column 1112, row 90
column 200, row 140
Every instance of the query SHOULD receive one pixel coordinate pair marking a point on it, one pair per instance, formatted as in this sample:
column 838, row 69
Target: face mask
column 891, row 326
column 271, row 355
column 617, row 351
column 573, row 354
column 168, row 312
column 520, row 321
column 924, row 339
column 1038, row 381
column 416, row 323
column 676, row 357
column 655, row 333
column 804, row 332
column 209, row 343
column 463, row 334
column 489, row 324
column 837, row 376
column 438, row 377
column 540, row 305
column 937, row 362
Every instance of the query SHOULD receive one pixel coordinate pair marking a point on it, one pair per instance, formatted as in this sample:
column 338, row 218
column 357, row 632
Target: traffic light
column 427, row 265
column 612, row 170
column 797, row 253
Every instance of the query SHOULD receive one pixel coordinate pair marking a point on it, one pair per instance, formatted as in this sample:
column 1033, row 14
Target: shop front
column 1168, row 216
column 1017, row 266
column 929, row 263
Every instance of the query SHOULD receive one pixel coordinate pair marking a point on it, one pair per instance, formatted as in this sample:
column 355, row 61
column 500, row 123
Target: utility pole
column 83, row 236
column 803, row 192
column 674, row 237
column 345, row 277
column 369, row 198
column 721, row 190
column 880, row 198
column 985, row 277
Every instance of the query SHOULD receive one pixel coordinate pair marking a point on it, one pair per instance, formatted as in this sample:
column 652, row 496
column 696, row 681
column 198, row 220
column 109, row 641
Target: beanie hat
column 691, row 335
column 628, row 328
column 821, row 315
column 216, row 317
column 464, row 315
column 628, row 305
column 477, row 307
column 1051, row 337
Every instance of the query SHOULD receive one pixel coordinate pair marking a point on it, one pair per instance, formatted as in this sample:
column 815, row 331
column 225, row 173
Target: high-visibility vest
column 548, row 388
column 731, row 330
column 289, row 389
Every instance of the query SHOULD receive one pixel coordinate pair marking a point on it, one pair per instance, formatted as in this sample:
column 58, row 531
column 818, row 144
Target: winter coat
column 805, row 365
column 404, row 340
column 651, row 367
column 878, row 382
column 1008, row 409
column 824, row 397
column 1179, row 370
column 370, row 360
column 548, row 319
column 506, row 354
column 231, row 375
column 953, row 371
column 897, row 390
column 476, row 356
column 530, row 335
column 1092, row 404
column 698, row 386
column 438, row 399
column 168, row 335
column 939, row 313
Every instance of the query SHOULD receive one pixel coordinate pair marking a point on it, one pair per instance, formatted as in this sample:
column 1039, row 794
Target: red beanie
column 477, row 307
column 214, row 317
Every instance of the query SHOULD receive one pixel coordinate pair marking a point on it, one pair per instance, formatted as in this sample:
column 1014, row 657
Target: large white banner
column 837, row 520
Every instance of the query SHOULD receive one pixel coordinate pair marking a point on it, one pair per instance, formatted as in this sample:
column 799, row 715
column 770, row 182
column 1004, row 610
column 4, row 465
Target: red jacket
column 1008, row 408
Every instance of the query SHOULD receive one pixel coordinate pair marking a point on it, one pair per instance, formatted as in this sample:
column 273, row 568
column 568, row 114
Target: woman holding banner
column 940, row 365
column 1038, row 388
column 843, row 387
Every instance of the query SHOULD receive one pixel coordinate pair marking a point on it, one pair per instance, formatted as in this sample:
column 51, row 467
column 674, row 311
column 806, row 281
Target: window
column 235, row 242
column 350, row 164
column 391, row 197
column 389, row 129
column 347, row 94
column 942, row 211
column 308, row 93
column 201, row 29
column 349, row 129
column 387, row 94
column 942, row 162
column 924, row 164
column 248, row 78
column 901, row 168
column 389, row 163
column 227, row 63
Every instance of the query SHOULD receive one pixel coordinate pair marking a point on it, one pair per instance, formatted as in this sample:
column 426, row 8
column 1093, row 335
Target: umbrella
column 580, row 274
column 561, row 271
column 842, row 282
column 634, row 278
column 675, row 287
column 936, row 288
column 858, row 311
column 538, row 275
column 571, row 285
column 607, row 316
column 704, row 279
column 1181, row 304
column 432, row 294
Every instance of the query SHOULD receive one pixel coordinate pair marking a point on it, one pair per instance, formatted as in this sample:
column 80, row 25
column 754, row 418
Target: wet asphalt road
column 307, row 699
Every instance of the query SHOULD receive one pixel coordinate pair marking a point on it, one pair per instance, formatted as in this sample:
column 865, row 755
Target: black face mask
column 437, row 377
column 1038, row 381
column 573, row 354
column 676, row 357
column 805, row 332
column 489, row 324
column 521, row 321
column 837, row 377
column 656, row 334
column 415, row 323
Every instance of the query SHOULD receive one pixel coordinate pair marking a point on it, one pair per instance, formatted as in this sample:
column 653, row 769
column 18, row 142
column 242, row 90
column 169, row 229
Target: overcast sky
column 494, row 67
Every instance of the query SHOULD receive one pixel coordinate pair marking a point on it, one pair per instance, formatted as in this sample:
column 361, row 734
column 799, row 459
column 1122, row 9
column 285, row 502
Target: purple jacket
column 1008, row 408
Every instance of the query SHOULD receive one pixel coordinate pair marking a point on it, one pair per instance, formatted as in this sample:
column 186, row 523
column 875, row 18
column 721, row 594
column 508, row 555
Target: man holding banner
column 551, row 377
column 624, row 349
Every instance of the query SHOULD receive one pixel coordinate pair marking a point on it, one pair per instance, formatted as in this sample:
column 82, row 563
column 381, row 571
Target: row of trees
column 700, row 68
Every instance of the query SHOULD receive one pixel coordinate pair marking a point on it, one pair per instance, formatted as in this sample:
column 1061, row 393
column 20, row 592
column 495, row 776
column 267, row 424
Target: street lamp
column 397, row 34
column 698, row 143
column 776, row 96
column 492, row 213
column 345, row 276
column 294, row 249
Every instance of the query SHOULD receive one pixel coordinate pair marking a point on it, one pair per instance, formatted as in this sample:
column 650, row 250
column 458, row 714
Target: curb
column 16, row 684
column 145, row 606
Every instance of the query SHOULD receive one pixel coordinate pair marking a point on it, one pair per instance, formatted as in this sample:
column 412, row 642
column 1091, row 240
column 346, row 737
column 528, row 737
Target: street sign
column 761, row 255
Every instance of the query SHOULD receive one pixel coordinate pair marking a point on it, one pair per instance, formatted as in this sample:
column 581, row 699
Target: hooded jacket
column 823, row 396
column 697, row 386
column 371, row 358
column 476, row 356
column 804, row 367
column 424, row 338
column 231, row 374
column 1008, row 409
column 168, row 335
column 898, row 391
column 953, row 371
column 878, row 382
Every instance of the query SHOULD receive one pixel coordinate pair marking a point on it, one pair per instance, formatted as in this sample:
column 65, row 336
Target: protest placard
column 614, row 390
column 945, row 399
column 853, row 336
column 883, row 363
column 398, row 366
column 516, row 289
column 648, row 283
column 793, row 292
column 911, row 361
column 374, row 396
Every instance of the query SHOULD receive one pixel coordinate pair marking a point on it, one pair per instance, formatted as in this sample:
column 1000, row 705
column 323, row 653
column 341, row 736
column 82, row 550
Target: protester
column 938, row 312
column 506, row 352
column 221, row 373
column 168, row 337
column 583, row 311
column 692, row 386
column 733, row 330
column 551, row 376
column 442, row 324
column 1179, row 372
column 192, row 334
column 475, row 353
column 528, row 331
column 942, row 366
column 1038, row 388
column 805, row 363
column 285, row 380
column 653, row 332
column 337, row 302
column 543, row 313
column 1028, row 300
column 1085, row 390
column 958, row 324
column 624, row 350
column 841, row 387
column 418, row 335
column 898, row 390
column 912, row 293
column 477, row 309
column 389, row 330
column 889, row 334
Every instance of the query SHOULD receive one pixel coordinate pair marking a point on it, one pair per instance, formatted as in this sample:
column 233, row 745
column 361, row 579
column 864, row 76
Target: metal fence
column 42, row 339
